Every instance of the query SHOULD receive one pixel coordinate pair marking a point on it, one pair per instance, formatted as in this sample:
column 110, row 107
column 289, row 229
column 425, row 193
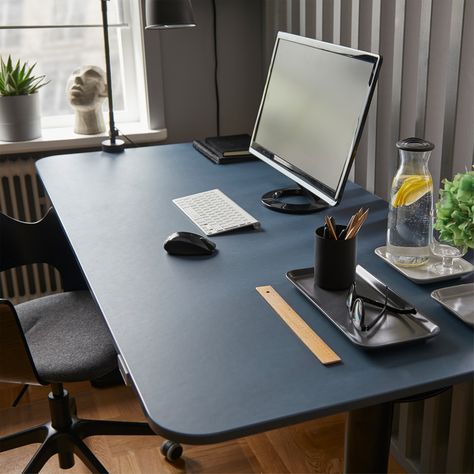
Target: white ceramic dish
column 459, row 300
column 422, row 274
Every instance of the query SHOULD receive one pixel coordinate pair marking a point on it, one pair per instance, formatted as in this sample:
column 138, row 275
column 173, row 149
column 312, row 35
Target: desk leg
column 367, row 445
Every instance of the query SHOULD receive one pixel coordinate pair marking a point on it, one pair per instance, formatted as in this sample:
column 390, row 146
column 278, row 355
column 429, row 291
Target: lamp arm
column 112, row 145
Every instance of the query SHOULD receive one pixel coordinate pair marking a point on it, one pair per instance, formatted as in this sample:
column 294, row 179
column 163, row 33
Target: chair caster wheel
column 171, row 451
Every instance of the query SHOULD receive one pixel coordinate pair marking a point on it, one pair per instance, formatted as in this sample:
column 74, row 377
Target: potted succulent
column 19, row 101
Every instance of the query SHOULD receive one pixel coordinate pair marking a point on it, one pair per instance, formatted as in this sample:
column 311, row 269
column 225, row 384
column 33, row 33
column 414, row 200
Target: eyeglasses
column 356, row 304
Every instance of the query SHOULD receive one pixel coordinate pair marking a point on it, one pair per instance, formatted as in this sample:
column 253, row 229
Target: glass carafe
column 411, row 205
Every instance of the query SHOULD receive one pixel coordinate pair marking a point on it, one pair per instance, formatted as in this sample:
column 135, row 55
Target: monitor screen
column 312, row 113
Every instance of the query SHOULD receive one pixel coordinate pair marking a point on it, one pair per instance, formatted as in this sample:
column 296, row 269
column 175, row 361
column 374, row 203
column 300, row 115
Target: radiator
column 22, row 197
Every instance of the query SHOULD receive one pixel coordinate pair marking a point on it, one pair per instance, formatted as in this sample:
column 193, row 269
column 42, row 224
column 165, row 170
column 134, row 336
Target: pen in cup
column 331, row 226
column 349, row 231
column 361, row 217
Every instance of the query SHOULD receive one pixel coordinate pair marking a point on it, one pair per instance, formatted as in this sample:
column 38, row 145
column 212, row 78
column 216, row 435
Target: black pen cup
column 334, row 260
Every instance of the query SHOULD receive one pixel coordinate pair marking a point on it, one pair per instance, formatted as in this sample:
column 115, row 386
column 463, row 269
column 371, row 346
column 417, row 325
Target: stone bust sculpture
column 86, row 90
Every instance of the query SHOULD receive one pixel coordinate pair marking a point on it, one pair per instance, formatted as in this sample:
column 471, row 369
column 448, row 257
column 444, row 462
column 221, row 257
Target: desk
column 208, row 357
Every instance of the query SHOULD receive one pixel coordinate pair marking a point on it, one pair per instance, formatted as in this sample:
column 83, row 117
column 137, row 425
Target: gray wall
column 187, row 75
column 425, row 88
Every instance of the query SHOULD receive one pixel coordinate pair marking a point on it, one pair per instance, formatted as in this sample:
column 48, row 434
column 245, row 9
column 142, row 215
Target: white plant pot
column 20, row 118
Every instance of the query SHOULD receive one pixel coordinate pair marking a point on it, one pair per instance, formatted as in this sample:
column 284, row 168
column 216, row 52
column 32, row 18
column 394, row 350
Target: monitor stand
column 273, row 200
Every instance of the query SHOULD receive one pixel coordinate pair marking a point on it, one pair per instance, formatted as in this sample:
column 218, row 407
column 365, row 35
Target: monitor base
column 273, row 201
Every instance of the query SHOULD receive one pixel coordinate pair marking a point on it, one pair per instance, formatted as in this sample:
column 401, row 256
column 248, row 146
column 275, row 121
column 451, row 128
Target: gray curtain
column 426, row 86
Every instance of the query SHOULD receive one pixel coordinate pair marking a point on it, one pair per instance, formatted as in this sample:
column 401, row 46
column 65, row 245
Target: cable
column 216, row 82
column 127, row 138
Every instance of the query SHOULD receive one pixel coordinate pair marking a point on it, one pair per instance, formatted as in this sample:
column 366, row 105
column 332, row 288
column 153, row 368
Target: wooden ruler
column 312, row 341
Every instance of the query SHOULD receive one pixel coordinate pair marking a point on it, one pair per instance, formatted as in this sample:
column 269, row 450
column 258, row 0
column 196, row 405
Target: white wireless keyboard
column 213, row 212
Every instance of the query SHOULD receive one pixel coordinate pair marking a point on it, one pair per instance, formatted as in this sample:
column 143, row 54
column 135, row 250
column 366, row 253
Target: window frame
column 132, row 68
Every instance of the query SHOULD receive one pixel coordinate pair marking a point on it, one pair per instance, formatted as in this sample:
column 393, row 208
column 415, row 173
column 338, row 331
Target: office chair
column 51, row 340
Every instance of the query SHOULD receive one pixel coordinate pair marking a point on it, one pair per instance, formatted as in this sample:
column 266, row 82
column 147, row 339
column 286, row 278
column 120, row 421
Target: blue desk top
column 209, row 358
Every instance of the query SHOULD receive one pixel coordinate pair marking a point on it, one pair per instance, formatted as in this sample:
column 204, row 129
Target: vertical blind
column 426, row 85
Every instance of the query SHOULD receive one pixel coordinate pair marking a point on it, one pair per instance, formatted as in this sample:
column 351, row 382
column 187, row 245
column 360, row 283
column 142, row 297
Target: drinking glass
column 447, row 251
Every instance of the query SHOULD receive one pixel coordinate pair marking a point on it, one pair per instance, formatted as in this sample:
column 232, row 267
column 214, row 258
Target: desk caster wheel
column 171, row 451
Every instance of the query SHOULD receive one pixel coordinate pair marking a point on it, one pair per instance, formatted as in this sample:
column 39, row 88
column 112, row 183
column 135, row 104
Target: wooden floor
column 312, row 447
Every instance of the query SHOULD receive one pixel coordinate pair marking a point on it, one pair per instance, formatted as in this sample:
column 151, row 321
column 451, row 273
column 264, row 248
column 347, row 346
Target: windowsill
column 56, row 139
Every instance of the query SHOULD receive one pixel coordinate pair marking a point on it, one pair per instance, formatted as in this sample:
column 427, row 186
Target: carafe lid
column 414, row 144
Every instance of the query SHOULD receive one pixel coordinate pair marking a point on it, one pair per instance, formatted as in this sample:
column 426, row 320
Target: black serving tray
column 392, row 330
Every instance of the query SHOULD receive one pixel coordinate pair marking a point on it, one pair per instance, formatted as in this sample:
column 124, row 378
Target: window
column 61, row 35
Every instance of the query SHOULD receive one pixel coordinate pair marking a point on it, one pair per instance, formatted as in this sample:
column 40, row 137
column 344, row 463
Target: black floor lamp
column 160, row 14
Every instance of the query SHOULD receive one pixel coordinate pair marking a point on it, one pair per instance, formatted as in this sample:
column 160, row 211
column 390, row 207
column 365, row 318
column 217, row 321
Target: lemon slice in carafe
column 412, row 189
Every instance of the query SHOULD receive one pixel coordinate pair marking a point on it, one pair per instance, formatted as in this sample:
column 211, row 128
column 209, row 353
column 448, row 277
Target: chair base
column 63, row 435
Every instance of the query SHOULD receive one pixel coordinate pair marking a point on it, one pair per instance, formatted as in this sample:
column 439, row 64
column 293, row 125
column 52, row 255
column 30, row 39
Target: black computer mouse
column 187, row 243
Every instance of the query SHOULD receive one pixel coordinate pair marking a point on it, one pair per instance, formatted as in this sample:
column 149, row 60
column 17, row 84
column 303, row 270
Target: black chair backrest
column 22, row 243
column 16, row 364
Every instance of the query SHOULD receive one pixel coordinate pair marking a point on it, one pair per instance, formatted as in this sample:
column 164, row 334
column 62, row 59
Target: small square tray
column 459, row 300
column 393, row 330
column 422, row 274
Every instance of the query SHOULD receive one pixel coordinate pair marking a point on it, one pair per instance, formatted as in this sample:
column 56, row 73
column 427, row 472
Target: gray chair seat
column 55, row 339
column 67, row 336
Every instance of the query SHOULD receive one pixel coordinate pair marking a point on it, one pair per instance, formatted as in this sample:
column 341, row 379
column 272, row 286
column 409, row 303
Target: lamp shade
column 161, row 14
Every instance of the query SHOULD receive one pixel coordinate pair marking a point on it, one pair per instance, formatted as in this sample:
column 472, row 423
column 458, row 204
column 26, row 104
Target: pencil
column 330, row 225
column 358, row 222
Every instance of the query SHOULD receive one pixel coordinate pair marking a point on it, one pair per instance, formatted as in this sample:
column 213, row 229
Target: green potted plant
column 19, row 101
column 455, row 211
column 453, row 225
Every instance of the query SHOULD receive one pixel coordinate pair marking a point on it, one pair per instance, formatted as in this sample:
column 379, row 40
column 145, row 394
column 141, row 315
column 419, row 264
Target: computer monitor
column 311, row 118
